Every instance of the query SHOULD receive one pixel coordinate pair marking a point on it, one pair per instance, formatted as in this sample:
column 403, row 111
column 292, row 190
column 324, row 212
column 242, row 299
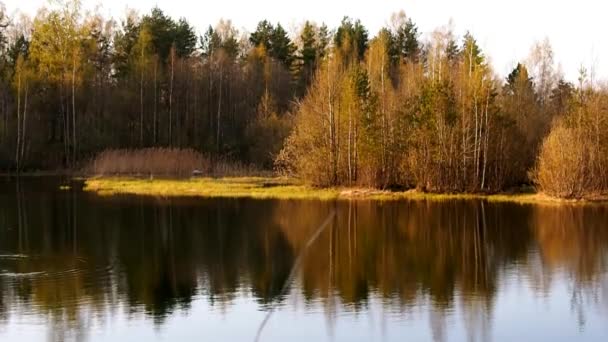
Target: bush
column 563, row 168
column 573, row 159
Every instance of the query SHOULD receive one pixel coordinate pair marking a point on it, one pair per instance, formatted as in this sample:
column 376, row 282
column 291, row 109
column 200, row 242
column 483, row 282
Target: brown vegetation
column 573, row 161
column 171, row 162
column 445, row 123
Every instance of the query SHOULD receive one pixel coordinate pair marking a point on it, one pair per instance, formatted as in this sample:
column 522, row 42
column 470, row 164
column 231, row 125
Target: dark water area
column 78, row 267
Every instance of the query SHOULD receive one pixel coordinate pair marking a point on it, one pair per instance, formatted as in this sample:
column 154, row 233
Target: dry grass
column 235, row 187
column 286, row 188
column 164, row 162
column 518, row 198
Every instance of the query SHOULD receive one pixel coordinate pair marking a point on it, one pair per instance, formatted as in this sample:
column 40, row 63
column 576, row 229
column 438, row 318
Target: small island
column 289, row 189
column 192, row 174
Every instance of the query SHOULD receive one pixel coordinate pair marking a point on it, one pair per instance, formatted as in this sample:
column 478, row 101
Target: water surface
column 78, row 267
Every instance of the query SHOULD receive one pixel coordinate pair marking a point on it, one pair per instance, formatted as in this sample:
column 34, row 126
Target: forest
column 340, row 106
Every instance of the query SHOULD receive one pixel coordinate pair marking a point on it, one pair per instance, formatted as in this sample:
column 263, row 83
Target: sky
column 505, row 30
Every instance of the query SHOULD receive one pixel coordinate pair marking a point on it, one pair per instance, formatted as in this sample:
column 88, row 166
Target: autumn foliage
column 574, row 157
column 332, row 107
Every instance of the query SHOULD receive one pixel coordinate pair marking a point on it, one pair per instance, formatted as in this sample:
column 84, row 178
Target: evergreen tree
column 184, row 38
column 124, row 41
column 324, row 38
column 309, row 53
column 471, row 52
column 163, row 32
column 281, row 47
column 351, row 38
column 263, row 35
column 407, row 41
column 210, row 42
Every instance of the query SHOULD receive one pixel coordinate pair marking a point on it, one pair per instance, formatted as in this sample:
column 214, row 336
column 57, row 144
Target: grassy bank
column 284, row 188
column 235, row 187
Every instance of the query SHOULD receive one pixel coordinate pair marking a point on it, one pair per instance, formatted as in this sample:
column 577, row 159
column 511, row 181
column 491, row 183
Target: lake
column 75, row 266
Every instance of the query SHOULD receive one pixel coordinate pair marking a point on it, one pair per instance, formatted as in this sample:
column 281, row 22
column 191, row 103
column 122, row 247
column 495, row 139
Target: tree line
column 397, row 112
column 75, row 83
column 331, row 106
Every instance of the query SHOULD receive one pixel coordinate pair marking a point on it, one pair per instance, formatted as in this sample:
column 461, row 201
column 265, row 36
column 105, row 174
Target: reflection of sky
column 520, row 313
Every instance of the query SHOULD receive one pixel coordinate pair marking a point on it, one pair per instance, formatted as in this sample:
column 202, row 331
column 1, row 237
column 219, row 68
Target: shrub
column 573, row 159
column 563, row 168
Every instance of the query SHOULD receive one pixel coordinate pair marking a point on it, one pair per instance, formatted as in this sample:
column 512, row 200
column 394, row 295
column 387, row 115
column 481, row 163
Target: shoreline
column 290, row 189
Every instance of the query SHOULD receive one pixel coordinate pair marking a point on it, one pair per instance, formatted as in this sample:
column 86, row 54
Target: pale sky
column 577, row 30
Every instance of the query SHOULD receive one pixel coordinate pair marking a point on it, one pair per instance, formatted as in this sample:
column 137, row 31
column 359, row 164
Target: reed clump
column 164, row 162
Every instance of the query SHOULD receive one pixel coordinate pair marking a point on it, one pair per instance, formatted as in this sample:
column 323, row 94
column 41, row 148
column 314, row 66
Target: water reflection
column 72, row 261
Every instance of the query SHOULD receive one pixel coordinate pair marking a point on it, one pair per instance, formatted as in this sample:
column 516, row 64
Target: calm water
column 78, row 267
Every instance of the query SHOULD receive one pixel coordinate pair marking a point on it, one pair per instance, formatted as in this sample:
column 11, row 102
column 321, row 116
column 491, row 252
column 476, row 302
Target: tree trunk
column 178, row 125
column 171, row 100
column 18, row 121
column 74, row 149
column 141, row 101
column 219, row 111
column 476, row 140
column 24, row 125
column 485, row 148
column 350, row 129
column 63, row 99
column 384, row 124
column 332, row 132
column 154, row 138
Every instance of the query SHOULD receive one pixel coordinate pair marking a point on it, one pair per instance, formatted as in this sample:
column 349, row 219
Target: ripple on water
column 6, row 274
column 67, row 278
column 12, row 256
column 37, row 267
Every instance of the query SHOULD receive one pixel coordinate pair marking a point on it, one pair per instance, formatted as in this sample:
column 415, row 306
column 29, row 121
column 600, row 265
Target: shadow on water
column 70, row 256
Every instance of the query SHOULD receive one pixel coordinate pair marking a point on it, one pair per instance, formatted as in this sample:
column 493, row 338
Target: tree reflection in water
column 74, row 260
